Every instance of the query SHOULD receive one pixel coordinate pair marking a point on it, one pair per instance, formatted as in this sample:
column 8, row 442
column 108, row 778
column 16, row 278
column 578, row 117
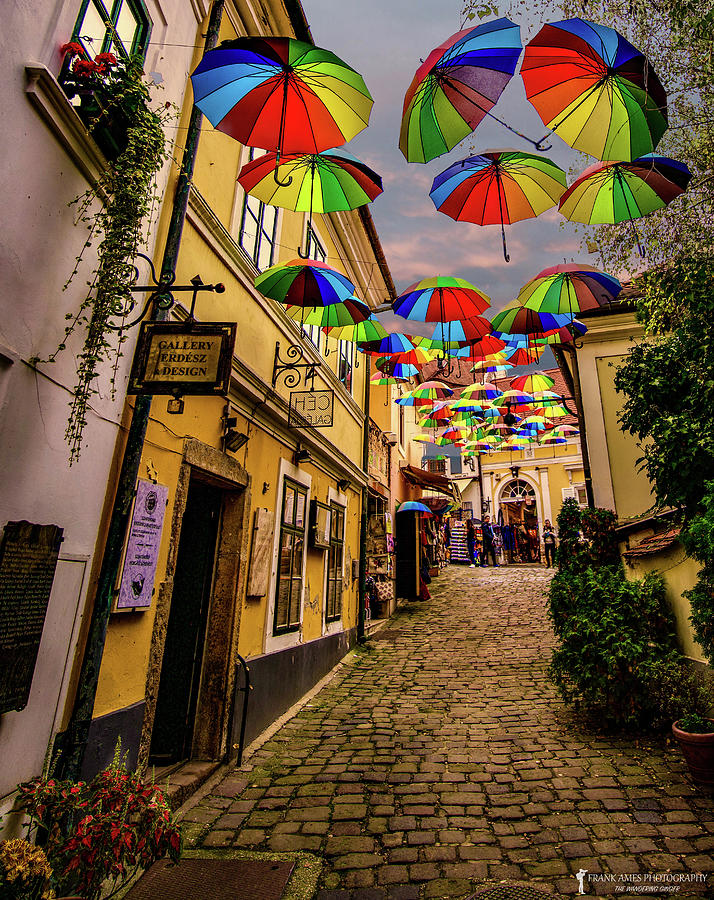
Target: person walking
column 487, row 540
column 471, row 542
column 549, row 542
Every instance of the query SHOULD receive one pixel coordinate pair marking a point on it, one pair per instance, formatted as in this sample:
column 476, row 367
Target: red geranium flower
column 83, row 68
column 72, row 49
column 105, row 59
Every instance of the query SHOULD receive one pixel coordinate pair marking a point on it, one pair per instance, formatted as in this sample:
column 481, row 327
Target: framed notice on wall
column 142, row 549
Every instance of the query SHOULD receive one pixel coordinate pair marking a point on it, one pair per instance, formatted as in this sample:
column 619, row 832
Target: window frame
column 262, row 237
column 296, row 532
column 333, row 610
column 346, row 355
column 314, row 250
column 111, row 16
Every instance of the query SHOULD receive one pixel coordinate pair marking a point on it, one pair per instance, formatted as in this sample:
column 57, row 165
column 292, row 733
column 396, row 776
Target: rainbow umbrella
column 594, row 89
column 337, row 315
column 414, row 506
column 612, row 192
column 370, row 329
column 461, row 333
column 281, row 94
column 498, row 187
column 442, row 298
column 481, row 391
column 546, row 439
column 423, row 438
column 456, row 86
column 537, row 381
column 560, row 430
column 525, row 356
column 311, row 182
column 386, row 365
column 517, row 319
column 569, row 289
column 392, row 342
column 515, row 398
column 383, row 380
column 307, row 283
column 427, row 393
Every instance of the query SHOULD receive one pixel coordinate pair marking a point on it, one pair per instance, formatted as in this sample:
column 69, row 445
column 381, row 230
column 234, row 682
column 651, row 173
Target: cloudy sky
column 385, row 42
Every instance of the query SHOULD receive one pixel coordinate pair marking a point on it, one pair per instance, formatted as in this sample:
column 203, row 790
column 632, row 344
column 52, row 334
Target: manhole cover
column 511, row 892
column 214, row 879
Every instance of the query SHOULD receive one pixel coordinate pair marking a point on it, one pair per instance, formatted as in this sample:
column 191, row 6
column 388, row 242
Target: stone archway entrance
column 519, row 507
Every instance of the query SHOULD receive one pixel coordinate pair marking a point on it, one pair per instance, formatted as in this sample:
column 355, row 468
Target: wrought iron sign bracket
column 296, row 367
column 161, row 293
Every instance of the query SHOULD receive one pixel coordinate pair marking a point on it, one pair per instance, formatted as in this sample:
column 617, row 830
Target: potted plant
column 695, row 736
column 101, row 834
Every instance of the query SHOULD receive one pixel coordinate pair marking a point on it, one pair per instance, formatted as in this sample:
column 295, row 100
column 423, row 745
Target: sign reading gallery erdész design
column 142, row 550
column 183, row 358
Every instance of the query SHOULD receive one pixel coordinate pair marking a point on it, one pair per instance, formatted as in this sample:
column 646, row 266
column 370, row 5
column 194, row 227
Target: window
column 345, row 363
column 437, row 466
column 333, row 605
column 288, row 594
column 258, row 226
column 121, row 27
column 314, row 250
column 401, row 426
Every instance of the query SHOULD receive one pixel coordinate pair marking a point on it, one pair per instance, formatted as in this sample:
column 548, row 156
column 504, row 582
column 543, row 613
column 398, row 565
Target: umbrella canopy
column 414, row 506
column 456, row 86
column 426, row 394
column 612, row 192
column 515, row 397
column 305, row 283
column 481, row 391
column 442, row 298
column 462, row 333
column 594, row 89
column 537, row 381
column 525, row 356
column 337, row 315
column 383, row 380
column 388, row 366
column 281, row 94
column 497, row 188
column 517, row 319
column 393, row 342
column 569, row 289
column 311, row 182
column 370, row 329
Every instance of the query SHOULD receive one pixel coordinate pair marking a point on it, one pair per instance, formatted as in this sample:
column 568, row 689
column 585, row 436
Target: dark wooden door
column 185, row 634
column 406, row 536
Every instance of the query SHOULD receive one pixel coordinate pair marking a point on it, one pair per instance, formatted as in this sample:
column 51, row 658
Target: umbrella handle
column 282, row 183
column 539, row 144
column 303, row 255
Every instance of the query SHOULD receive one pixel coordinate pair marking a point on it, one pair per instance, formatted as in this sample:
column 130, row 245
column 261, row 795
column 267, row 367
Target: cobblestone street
column 440, row 758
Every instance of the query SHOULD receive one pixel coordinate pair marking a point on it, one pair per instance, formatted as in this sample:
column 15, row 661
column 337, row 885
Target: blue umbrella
column 414, row 506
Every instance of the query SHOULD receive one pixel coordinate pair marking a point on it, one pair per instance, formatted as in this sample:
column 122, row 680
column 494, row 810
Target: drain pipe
column 69, row 765
column 362, row 595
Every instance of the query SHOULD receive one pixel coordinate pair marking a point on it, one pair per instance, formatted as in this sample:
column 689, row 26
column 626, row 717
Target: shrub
column 698, row 540
column 618, row 656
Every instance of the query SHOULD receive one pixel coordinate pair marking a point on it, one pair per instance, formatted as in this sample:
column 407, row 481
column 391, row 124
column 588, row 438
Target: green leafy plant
column 698, row 539
column 115, row 97
column 694, row 723
column 617, row 658
column 101, row 834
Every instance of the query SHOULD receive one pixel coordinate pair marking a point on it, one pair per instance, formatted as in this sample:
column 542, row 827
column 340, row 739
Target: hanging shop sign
column 183, row 358
column 311, row 409
column 142, row 549
column 28, row 559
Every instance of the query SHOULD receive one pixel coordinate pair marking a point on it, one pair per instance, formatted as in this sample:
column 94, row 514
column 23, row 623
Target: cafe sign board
column 311, row 409
column 183, row 358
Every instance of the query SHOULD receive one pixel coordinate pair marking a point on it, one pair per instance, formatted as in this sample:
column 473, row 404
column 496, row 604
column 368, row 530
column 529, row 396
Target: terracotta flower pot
column 698, row 750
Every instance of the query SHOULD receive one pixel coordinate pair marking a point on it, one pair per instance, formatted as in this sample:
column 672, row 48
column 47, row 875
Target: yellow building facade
column 259, row 553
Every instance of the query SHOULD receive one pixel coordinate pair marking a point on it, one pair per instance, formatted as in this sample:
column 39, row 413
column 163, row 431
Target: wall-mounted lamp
column 175, row 406
column 232, row 439
column 301, row 455
column 266, row 487
column 343, row 484
column 515, row 470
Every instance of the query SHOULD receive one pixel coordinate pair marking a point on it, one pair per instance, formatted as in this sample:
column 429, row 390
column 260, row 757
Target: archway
column 518, row 504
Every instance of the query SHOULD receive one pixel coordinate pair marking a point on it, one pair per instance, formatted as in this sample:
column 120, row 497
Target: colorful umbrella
column 537, row 381
column 456, row 86
column 387, row 365
column 414, row 506
column 514, row 398
column 525, row 356
column 426, row 394
column 305, row 283
column 442, row 298
column 517, row 319
column 569, row 289
column 369, row 330
column 311, row 182
column 481, row 391
column 337, row 315
column 497, row 188
column 383, row 380
column 462, row 333
column 281, row 94
column 594, row 90
column 607, row 193
column 393, row 342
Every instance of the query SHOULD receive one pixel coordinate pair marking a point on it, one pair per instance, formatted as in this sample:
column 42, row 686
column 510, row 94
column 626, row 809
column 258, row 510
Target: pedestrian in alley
column 487, row 542
column 549, row 542
column 471, row 542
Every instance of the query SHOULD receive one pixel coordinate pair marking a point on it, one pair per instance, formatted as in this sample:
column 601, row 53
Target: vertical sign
column 28, row 559
column 142, row 551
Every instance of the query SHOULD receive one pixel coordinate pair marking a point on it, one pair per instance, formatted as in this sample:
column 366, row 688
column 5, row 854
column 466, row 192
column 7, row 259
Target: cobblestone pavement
column 441, row 759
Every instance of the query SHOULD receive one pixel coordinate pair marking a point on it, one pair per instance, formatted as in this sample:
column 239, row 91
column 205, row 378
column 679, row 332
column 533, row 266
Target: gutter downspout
column 77, row 734
column 362, row 594
column 572, row 380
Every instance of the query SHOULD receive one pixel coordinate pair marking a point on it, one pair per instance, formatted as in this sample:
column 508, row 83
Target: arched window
column 517, row 491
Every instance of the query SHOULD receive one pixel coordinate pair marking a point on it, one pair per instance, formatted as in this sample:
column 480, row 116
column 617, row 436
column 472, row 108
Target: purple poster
column 142, row 550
